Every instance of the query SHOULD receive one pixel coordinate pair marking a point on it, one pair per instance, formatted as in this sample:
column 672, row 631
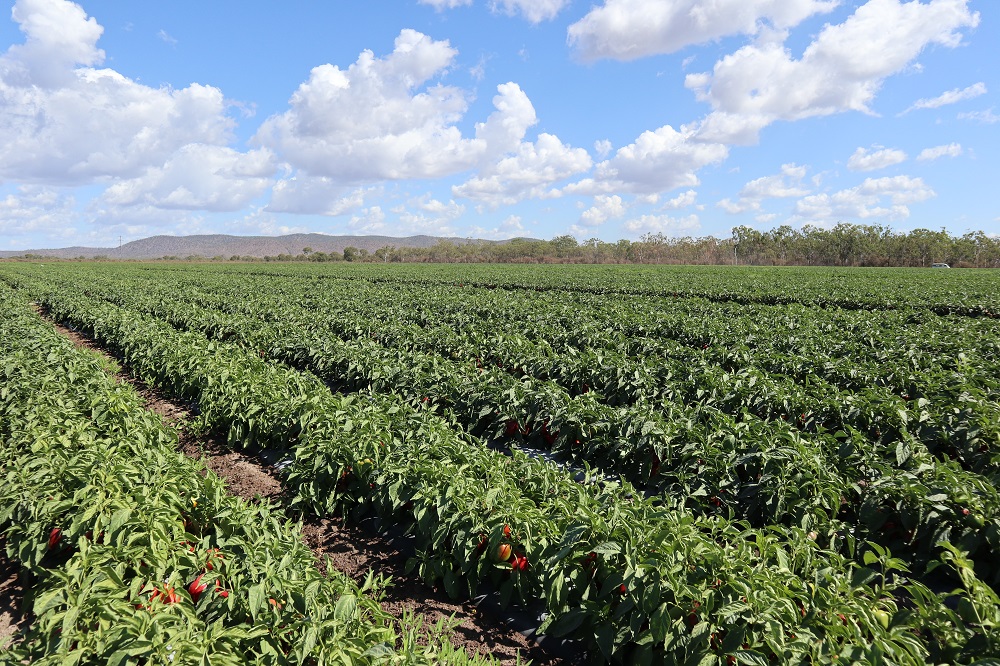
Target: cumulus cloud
column 658, row 161
column 35, row 209
column 371, row 220
column 428, row 215
column 58, row 37
column 317, row 195
column 527, row 174
column 602, row 147
column 779, row 186
column 535, row 11
column 841, row 70
column 64, row 122
column 630, row 29
column 380, row 119
column 950, row 97
column 949, row 150
column 887, row 198
column 199, row 177
column 510, row 227
column 664, row 224
column 259, row 222
column 605, row 208
column 682, row 200
column 786, row 184
column 876, row 158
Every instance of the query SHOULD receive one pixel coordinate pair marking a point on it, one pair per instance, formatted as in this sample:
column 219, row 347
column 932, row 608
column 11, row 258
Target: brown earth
column 11, row 594
column 351, row 550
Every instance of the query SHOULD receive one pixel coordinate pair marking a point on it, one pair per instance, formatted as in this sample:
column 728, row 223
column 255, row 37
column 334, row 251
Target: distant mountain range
column 215, row 245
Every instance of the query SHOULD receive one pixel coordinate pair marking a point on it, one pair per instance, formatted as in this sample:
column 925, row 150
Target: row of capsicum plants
column 911, row 511
column 964, row 435
column 965, row 293
column 763, row 472
column 927, row 411
column 929, row 416
column 638, row 581
column 138, row 555
column 876, row 342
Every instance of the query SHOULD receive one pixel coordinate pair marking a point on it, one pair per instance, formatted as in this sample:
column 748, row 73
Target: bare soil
column 351, row 549
column 12, row 593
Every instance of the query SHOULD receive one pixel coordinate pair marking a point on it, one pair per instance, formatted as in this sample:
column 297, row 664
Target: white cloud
column 36, row 209
column 259, row 222
column 199, row 177
column 317, row 195
column 950, row 97
column 682, row 200
column 670, row 226
column 783, row 185
column 445, row 4
column 986, row 117
column 841, row 70
column 369, row 221
column 605, row 208
column 431, row 216
column 511, row 227
column 166, row 38
column 535, row 11
column 780, row 186
column 629, row 29
column 527, row 174
column 737, row 207
column 949, row 150
column 58, row 37
column 878, row 157
column 64, row 122
column 602, row 147
column 140, row 220
column 657, row 161
column 381, row 120
column 867, row 200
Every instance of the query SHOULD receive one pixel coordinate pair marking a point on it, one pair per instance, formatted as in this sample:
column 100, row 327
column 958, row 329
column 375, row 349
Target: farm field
column 677, row 465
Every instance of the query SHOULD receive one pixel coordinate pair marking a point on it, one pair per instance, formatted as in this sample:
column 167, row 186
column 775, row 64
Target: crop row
column 856, row 349
column 967, row 293
column 945, row 393
column 138, row 554
column 893, row 494
column 635, row 580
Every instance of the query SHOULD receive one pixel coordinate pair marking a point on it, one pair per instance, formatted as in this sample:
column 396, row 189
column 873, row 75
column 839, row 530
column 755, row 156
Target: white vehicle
column 940, row 266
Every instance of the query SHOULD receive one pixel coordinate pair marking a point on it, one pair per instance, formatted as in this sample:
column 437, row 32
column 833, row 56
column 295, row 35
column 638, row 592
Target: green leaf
column 346, row 607
column 604, row 636
column 608, row 548
column 752, row 658
column 257, row 599
column 566, row 623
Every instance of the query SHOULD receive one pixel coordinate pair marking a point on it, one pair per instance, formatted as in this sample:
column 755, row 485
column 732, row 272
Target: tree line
column 842, row 245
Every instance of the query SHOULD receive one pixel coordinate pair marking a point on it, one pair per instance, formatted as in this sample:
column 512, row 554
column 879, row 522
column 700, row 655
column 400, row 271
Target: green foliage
column 139, row 555
column 806, row 467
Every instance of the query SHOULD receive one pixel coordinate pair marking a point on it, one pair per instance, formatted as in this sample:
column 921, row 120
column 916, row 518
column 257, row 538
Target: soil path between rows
column 11, row 595
column 351, row 550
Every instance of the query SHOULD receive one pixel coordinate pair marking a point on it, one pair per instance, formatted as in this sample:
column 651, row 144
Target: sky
column 492, row 119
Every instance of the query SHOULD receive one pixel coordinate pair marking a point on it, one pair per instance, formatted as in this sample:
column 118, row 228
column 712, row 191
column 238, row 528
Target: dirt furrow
column 12, row 592
column 350, row 549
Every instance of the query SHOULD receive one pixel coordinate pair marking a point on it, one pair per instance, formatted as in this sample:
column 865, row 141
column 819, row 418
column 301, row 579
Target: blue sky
column 495, row 118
